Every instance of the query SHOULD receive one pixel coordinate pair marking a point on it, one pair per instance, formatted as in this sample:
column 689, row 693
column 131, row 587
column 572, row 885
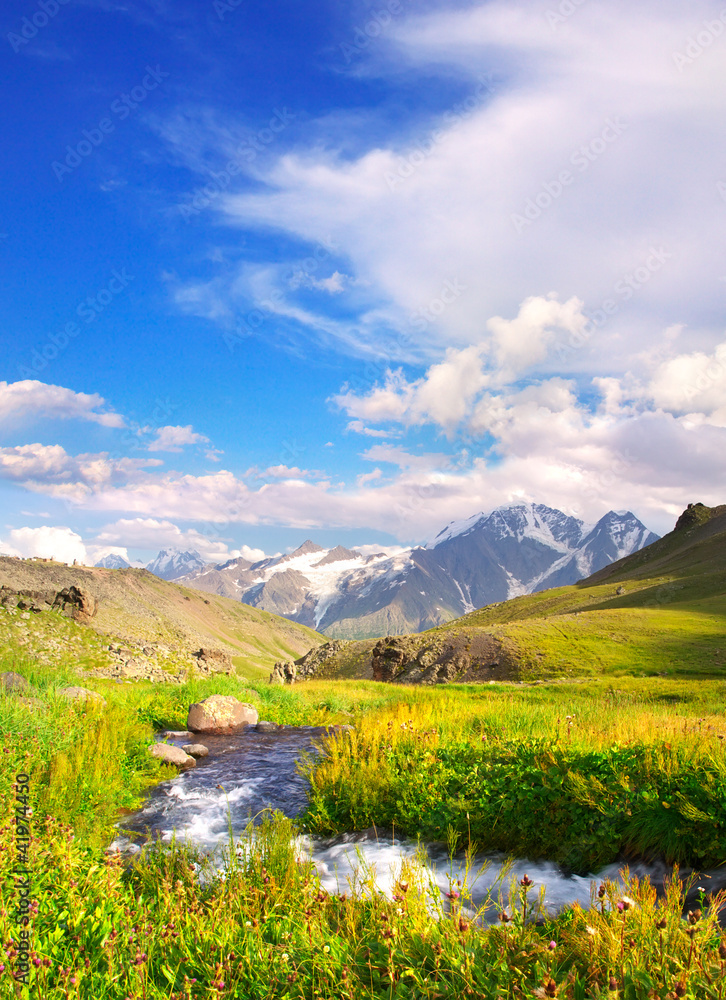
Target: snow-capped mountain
column 171, row 564
column 113, row 561
column 516, row 549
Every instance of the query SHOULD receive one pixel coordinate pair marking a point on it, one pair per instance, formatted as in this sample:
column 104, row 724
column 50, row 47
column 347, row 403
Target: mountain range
column 517, row 549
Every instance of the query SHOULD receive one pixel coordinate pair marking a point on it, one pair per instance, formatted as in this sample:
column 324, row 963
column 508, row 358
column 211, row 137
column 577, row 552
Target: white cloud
column 46, row 542
column 49, row 468
column 152, row 534
column 250, row 554
column 175, row 438
column 358, row 427
column 30, row 399
column 447, row 215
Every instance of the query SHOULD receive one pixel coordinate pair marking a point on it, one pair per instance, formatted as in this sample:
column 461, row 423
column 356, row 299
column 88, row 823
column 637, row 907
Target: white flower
column 326, row 949
column 591, row 931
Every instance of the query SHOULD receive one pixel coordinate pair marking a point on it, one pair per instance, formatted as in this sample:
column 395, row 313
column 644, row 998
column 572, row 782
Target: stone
column 196, row 750
column 180, row 734
column 81, row 694
column 171, row 755
column 77, row 602
column 11, row 682
column 213, row 661
column 263, row 726
column 219, row 713
column 620, row 591
column 283, row 673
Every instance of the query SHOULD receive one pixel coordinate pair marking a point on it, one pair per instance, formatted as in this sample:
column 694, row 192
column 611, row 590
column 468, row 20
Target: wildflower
column 504, row 917
column 591, row 931
column 248, row 923
column 326, row 949
column 453, row 894
column 625, row 903
column 612, row 984
column 552, row 945
column 285, row 956
column 662, row 924
column 526, row 881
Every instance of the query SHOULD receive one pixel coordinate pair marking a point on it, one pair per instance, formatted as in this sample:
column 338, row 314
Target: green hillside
column 139, row 610
column 661, row 610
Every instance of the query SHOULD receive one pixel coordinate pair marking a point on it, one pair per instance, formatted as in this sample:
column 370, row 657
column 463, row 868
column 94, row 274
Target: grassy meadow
column 583, row 770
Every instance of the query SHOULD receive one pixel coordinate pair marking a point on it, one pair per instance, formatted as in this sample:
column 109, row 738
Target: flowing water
column 250, row 771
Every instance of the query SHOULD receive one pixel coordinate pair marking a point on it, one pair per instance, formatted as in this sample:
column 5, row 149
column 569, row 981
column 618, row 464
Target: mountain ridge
column 517, row 548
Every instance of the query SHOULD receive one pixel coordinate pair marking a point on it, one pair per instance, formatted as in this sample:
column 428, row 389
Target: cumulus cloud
column 447, row 394
column 176, row 438
column 46, row 542
column 49, row 468
column 151, row 534
column 32, row 400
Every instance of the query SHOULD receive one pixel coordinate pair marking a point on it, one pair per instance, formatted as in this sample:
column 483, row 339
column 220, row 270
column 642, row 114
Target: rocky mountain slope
column 148, row 624
column 656, row 609
column 516, row 549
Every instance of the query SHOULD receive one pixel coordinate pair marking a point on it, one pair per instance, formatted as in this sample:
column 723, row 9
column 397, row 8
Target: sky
column 351, row 271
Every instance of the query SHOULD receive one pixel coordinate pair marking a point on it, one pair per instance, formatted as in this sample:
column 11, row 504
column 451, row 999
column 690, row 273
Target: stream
column 248, row 771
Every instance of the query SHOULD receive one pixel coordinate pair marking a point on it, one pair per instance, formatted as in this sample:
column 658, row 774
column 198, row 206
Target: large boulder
column 11, row 683
column 219, row 713
column 76, row 602
column 172, row 755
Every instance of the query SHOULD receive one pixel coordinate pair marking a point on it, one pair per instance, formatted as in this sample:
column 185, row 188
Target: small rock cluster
column 217, row 714
column 74, row 602
column 283, row 673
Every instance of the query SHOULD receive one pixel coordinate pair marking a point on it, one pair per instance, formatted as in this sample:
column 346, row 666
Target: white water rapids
column 249, row 771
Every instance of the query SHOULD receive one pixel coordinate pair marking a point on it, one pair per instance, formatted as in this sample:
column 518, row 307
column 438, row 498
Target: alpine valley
column 517, row 549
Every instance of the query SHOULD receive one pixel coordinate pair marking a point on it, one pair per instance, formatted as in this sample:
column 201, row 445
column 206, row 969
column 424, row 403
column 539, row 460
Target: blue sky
column 351, row 271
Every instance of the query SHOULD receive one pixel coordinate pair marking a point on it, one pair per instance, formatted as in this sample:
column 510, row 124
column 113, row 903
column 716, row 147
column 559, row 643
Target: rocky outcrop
column 314, row 663
column 213, row 661
column 76, row 602
column 169, row 754
column 219, row 713
column 411, row 659
column 283, row 673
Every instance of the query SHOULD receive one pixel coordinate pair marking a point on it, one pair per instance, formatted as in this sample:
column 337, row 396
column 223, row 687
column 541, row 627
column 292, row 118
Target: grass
column 551, row 768
column 173, row 928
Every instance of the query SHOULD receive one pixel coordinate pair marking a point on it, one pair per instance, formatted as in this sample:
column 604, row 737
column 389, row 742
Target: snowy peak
column 112, row 561
column 171, row 564
column 517, row 548
column 307, row 548
column 338, row 554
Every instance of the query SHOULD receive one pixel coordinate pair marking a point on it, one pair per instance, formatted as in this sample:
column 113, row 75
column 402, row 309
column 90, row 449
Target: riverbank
column 100, row 931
